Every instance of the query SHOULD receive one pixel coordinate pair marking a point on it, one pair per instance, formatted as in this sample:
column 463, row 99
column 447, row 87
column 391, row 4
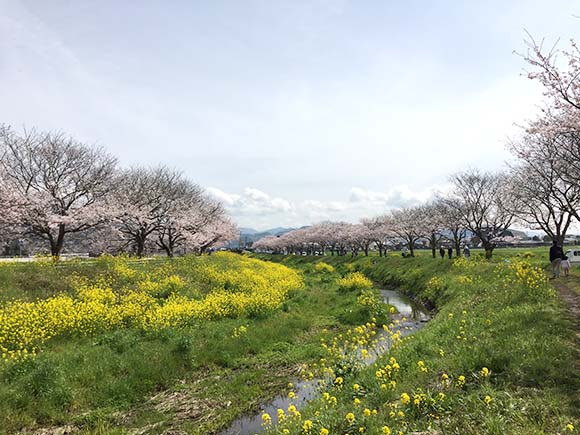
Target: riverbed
column 410, row 318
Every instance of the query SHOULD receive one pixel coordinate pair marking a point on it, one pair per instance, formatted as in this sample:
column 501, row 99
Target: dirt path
column 569, row 289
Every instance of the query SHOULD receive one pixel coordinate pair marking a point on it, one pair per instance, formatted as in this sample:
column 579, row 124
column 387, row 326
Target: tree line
column 540, row 189
column 55, row 189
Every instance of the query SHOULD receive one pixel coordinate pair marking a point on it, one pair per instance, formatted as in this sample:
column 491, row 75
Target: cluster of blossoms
column 323, row 267
column 238, row 332
column 522, row 272
column 354, row 281
column 233, row 286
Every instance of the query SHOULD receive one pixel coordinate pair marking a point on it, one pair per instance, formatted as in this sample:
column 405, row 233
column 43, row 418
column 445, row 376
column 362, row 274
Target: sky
column 290, row 112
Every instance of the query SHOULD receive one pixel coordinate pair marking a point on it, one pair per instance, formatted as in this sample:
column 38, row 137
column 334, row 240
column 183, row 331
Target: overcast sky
column 290, row 112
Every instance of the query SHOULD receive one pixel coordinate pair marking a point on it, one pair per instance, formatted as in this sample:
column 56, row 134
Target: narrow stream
column 415, row 318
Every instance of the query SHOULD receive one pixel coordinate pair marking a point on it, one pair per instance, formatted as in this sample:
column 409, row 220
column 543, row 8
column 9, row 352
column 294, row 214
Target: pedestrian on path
column 556, row 255
column 565, row 265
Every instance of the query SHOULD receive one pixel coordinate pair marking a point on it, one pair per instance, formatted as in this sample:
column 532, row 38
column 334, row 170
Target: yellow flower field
column 173, row 294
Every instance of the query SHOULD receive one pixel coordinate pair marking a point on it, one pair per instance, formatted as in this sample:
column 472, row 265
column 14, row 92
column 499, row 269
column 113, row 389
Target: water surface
column 411, row 317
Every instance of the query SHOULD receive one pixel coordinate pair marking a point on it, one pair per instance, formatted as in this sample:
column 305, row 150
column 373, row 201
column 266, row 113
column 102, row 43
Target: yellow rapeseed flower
column 266, row 419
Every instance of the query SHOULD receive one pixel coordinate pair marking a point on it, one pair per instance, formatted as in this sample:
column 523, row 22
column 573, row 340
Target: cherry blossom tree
column 559, row 73
column 53, row 185
column 380, row 232
column 141, row 199
column 433, row 225
column 270, row 244
column 485, row 204
column 557, row 70
column 161, row 206
column 338, row 237
column 408, row 224
column 320, row 235
column 366, row 238
column 188, row 216
column 216, row 232
column 450, row 212
column 546, row 199
column 339, row 240
column 357, row 238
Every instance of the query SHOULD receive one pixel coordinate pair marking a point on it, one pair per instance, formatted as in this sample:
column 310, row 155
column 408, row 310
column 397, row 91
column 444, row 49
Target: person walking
column 442, row 252
column 556, row 255
column 466, row 252
column 565, row 265
column 450, row 252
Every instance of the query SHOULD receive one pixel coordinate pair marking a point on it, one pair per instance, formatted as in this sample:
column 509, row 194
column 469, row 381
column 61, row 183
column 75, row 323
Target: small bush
column 373, row 305
column 354, row 281
column 323, row 267
column 184, row 345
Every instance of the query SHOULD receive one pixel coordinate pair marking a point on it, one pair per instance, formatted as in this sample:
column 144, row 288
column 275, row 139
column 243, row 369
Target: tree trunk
column 140, row 247
column 168, row 251
column 489, row 247
column 457, row 241
column 57, row 245
column 433, row 243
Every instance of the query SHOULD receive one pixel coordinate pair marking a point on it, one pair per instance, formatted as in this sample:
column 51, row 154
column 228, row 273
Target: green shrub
column 354, row 281
column 323, row 267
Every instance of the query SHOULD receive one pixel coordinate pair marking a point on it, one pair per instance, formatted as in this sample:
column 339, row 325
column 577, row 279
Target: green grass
column 197, row 378
column 521, row 334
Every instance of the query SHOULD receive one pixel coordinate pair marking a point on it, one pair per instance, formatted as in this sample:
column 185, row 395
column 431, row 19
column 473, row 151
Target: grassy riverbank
column 172, row 356
column 148, row 346
column 499, row 356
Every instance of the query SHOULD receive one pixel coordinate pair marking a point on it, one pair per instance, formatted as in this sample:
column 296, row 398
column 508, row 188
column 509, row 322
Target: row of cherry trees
column 54, row 188
column 479, row 205
column 539, row 190
column 434, row 223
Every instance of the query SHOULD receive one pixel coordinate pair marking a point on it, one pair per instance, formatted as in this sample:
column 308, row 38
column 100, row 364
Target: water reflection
column 411, row 317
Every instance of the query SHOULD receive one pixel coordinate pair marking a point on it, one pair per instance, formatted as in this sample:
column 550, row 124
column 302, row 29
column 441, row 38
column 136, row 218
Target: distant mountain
column 249, row 235
column 278, row 230
column 248, row 231
column 271, row 232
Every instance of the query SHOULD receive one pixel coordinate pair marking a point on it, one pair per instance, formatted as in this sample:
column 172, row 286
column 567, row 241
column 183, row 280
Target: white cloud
column 400, row 196
column 252, row 202
column 325, row 206
column 226, row 198
column 256, row 195
column 257, row 209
